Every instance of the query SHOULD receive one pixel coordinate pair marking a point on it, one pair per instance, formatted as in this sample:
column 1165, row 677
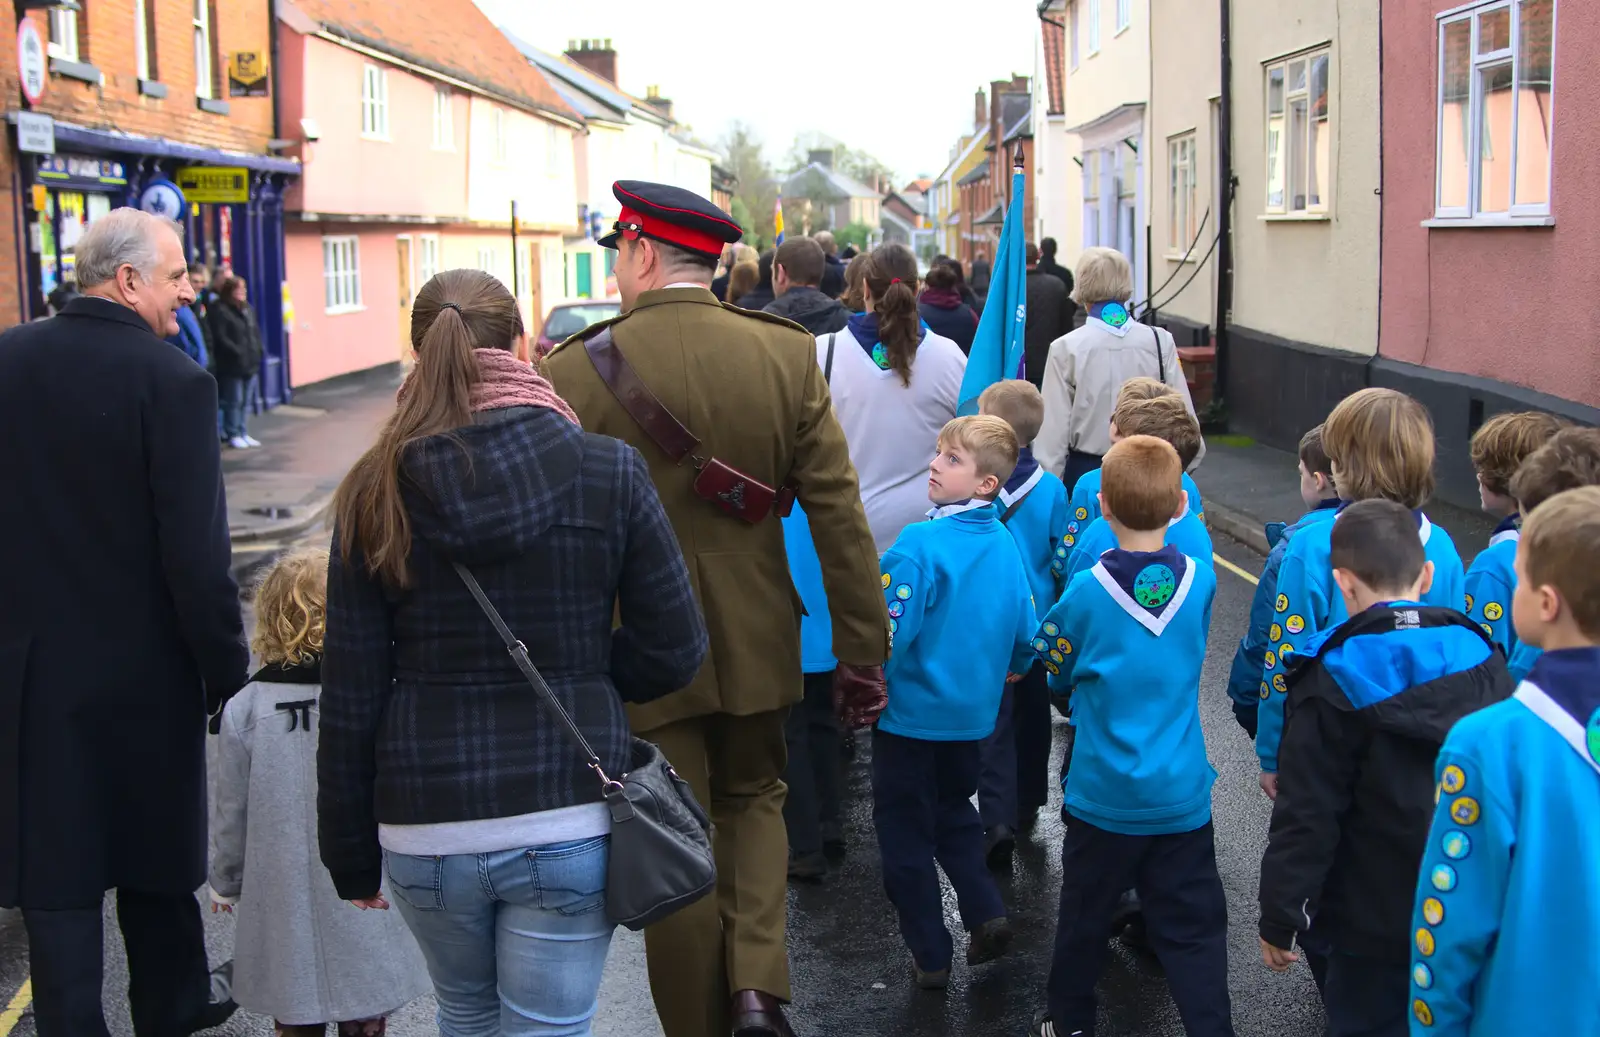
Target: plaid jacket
column 425, row 718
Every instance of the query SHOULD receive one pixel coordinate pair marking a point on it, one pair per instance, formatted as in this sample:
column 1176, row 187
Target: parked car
column 568, row 318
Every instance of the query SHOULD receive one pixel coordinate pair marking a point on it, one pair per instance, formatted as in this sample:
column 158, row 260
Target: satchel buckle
column 697, row 462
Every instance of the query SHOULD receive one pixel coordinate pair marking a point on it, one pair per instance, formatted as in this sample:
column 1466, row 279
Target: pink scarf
column 505, row 381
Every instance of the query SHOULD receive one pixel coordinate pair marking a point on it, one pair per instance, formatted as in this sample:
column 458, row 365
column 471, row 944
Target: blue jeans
column 515, row 941
column 235, row 395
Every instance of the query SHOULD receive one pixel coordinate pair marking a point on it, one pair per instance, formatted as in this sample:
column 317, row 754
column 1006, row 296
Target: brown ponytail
column 891, row 274
column 454, row 313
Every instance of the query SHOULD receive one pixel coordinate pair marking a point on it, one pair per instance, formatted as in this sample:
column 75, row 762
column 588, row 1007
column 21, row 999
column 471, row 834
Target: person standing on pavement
column 942, row 309
column 833, row 273
column 120, row 630
column 1047, row 263
column 748, row 388
column 1086, row 367
column 762, row 294
column 797, row 269
column 237, row 340
column 1050, row 310
column 436, row 762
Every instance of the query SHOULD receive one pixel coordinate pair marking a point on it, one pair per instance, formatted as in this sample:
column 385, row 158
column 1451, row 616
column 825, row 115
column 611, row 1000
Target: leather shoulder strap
column 642, row 405
column 827, row 368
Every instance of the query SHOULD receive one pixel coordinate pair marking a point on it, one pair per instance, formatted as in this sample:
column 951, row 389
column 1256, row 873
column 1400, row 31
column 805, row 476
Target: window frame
column 444, row 122
column 63, row 38
column 1072, row 19
column 1285, row 210
column 1094, row 16
column 489, row 261
column 1182, row 155
column 144, row 41
column 1124, row 15
column 205, row 77
column 500, row 136
column 1473, row 213
column 427, row 258
column 374, row 102
column 552, row 137
column 341, row 284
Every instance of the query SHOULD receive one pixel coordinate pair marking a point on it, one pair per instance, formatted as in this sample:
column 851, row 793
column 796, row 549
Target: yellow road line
column 1252, row 580
column 18, row 1005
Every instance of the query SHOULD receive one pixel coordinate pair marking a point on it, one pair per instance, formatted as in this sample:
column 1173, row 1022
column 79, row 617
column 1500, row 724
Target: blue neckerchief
column 1113, row 316
column 959, row 507
column 1568, row 677
column 863, row 327
column 1026, row 466
column 1150, row 578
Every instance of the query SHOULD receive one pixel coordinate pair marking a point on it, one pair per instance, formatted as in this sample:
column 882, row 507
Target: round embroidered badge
column 1453, row 780
column 1114, row 314
column 903, row 592
column 1271, row 659
column 1294, row 624
column 897, row 608
column 1064, row 646
column 1469, row 603
column 885, row 581
column 1422, row 976
column 1276, row 633
column 1038, row 645
column 1464, row 811
column 1456, row 845
column 1081, row 514
column 1594, row 736
column 1433, row 910
column 1424, row 1014
column 1492, row 611
column 1282, row 604
column 1279, row 683
column 1425, row 943
column 1265, row 691
column 1050, row 630
column 1443, row 878
column 1154, row 586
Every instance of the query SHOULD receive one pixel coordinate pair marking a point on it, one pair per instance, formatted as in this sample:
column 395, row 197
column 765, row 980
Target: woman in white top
column 895, row 385
column 1087, row 367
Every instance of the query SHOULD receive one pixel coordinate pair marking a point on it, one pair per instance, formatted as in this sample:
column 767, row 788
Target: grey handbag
column 660, row 857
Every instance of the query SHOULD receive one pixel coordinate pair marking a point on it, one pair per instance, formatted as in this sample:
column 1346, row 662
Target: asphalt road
column 851, row 972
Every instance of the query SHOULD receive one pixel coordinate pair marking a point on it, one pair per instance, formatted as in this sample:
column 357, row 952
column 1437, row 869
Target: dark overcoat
column 119, row 617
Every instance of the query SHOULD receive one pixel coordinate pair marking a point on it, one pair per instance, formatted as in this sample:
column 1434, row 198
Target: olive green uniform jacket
column 748, row 386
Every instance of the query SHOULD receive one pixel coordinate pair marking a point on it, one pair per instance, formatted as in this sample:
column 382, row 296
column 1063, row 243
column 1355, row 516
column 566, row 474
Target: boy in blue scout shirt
column 1498, row 450
column 1084, row 505
column 1266, row 630
column 1569, row 460
column 961, row 619
column 1139, row 788
column 811, row 809
column 1166, row 418
column 1379, row 444
column 1503, row 934
column 1015, row 781
column 1370, row 702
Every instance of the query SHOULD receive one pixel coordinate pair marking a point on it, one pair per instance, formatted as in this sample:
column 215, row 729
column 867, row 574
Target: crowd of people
column 1432, row 817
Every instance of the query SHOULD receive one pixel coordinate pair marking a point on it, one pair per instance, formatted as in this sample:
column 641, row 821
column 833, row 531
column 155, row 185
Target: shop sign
column 247, row 74
column 82, row 171
column 36, row 132
column 162, row 198
column 214, row 185
column 32, row 65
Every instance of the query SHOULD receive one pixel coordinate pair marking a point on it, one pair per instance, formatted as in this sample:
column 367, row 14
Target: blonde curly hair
column 291, row 605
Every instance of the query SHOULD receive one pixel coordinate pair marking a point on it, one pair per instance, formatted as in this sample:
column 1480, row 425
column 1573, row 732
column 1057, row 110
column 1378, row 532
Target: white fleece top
column 893, row 429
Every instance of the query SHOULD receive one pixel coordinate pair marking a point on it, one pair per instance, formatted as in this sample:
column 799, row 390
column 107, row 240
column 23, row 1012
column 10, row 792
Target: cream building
column 1053, row 147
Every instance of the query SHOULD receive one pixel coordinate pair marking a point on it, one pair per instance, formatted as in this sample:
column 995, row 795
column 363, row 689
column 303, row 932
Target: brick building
column 139, row 91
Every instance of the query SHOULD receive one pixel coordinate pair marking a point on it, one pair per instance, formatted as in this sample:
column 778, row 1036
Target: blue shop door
column 585, row 276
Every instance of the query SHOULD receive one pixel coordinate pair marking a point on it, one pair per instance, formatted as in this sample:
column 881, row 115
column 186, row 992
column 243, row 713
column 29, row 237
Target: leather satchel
column 739, row 494
column 660, row 857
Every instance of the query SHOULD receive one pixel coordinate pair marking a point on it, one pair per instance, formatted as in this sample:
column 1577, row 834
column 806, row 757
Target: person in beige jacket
column 1086, row 368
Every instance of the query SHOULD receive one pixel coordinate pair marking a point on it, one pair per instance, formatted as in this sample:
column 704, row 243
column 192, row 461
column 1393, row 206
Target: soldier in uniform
column 747, row 392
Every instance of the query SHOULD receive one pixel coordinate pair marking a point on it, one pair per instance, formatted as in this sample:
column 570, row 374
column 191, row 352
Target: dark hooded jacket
column 425, row 718
column 1369, row 706
column 810, row 309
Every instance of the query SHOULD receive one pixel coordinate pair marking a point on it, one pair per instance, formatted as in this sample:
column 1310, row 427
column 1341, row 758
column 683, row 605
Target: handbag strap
column 827, row 368
column 1161, row 358
column 519, row 654
column 642, row 405
column 1005, row 519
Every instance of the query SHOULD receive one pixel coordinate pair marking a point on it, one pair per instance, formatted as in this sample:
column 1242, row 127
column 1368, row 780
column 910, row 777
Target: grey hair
column 825, row 239
column 121, row 236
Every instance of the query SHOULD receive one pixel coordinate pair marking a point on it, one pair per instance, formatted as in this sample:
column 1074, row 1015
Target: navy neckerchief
column 1150, row 586
column 959, row 507
column 863, row 327
column 1329, row 502
column 1424, row 527
column 1026, row 466
column 1564, row 692
column 1509, row 528
column 1113, row 315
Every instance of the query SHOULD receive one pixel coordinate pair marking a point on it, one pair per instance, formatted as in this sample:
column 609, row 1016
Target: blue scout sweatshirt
column 816, row 626
column 1309, row 601
column 1038, row 525
column 960, row 618
column 1085, row 503
column 1503, row 938
column 1524, row 657
column 1187, row 533
column 1244, row 682
column 1490, row 584
column 1128, row 639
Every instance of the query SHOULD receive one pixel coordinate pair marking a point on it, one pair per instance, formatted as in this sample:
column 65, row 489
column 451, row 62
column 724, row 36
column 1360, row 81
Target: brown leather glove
column 859, row 695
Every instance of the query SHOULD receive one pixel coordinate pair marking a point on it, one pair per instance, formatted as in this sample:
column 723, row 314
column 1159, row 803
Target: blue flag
column 997, row 346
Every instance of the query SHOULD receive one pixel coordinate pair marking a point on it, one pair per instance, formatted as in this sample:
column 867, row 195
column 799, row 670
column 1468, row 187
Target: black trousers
column 1015, row 781
column 169, row 982
column 1366, row 997
column 1186, row 917
column 813, row 771
column 1077, row 464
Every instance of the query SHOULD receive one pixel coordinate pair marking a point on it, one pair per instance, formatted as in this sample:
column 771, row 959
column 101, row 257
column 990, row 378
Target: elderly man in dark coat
column 119, row 630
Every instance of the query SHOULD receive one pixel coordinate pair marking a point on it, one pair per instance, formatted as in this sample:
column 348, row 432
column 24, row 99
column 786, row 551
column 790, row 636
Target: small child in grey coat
column 302, row 956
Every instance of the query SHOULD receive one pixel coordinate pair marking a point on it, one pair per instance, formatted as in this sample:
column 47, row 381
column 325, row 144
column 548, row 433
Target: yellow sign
column 214, row 184
column 247, row 74
column 41, row 197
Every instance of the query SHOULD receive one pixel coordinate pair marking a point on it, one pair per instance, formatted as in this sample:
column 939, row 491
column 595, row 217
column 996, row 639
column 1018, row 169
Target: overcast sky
column 895, row 79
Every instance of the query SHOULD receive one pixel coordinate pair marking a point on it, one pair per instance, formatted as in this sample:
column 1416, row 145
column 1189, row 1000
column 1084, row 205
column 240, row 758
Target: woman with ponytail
column 443, row 784
column 895, row 384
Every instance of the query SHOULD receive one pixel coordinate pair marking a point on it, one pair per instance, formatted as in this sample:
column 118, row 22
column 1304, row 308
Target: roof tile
column 1054, row 66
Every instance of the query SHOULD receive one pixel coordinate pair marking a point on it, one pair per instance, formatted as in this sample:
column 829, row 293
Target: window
column 502, row 135
column 63, row 35
column 203, row 85
column 1124, row 14
column 1072, row 16
column 375, row 103
column 427, row 258
column 1495, row 73
column 1299, row 148
column 444, row 133
column 144, row 42
column 1093, row 14
column 552, row 149
column 489, row 260
column 1183, row 201
column 1091, row 198
column 341, row 274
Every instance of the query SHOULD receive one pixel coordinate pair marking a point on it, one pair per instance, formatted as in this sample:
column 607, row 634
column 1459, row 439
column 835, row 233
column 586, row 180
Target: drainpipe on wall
column 1225, row 213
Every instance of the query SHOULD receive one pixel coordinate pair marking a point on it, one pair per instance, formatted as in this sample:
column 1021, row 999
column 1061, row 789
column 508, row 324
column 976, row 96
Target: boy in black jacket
column 1369, row 705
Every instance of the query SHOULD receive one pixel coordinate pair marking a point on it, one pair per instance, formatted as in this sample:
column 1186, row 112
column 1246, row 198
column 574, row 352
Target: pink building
column 1491, row 221
column 417, row 145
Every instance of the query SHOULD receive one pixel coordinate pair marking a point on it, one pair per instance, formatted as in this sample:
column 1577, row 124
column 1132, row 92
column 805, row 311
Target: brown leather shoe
column 758, row 1014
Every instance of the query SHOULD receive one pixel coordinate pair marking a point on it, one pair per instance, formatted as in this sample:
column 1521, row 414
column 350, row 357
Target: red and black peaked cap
column 670, row 214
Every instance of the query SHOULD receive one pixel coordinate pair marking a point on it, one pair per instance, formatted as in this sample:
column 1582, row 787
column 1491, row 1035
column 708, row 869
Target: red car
column 566, row 319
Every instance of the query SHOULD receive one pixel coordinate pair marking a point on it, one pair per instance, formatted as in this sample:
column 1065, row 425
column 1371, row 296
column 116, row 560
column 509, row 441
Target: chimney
column 595, row 55
column 820, row 156
column 980, row 111
column 652, row 97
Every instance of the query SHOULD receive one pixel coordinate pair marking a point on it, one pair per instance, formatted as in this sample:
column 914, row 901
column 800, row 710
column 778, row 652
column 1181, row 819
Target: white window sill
column 1122, row 30
column 1296, row 217
column 380, row 138
column 1464, row 223
column 1178, row 257
column 339, row 311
